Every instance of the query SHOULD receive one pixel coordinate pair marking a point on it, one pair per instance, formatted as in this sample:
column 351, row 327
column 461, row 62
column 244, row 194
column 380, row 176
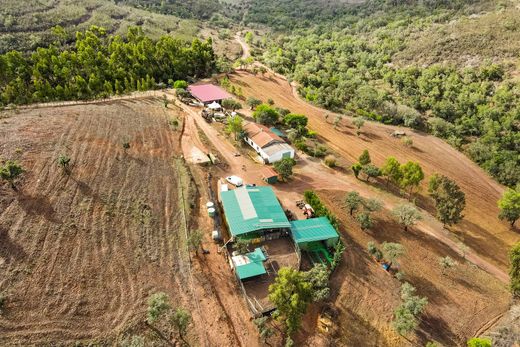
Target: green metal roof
column 277, row 132
column 314, row 229
column 255, row 266
column 250, row 270
column 248, row 209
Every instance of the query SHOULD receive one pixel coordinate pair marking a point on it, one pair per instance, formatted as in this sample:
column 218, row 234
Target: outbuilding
column 269, row 175
column 267, row 144
column 315, row 236
column 208, row 93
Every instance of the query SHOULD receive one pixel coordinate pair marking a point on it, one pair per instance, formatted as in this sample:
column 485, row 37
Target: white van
column 235, row 180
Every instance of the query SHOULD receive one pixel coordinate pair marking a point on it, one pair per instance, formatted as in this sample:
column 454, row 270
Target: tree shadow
column 482, row 241
column 435, row 328
column 37, row 205
column 371, row 136
column 9, row 250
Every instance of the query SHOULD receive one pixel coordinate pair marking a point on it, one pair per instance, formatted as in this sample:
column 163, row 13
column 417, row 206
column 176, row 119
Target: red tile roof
column 208, row 92
column 261, row 135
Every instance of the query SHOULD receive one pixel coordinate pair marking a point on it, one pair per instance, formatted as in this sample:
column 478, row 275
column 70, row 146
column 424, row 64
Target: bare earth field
column 80, row 255
column 459, row 300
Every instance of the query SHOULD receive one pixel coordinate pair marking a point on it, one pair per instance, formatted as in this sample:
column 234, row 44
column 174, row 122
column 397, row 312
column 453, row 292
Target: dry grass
column 468, row 41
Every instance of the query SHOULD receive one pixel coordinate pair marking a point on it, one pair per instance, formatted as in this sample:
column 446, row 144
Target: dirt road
column 246, row 51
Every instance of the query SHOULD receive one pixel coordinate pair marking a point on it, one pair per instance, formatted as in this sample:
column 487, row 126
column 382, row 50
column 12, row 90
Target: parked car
column 235, row 180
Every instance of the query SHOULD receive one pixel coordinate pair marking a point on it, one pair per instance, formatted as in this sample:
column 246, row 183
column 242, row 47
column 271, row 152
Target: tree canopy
column 291, row 293
column 265, row 114
column 514, row 269
column 450, row 201
column 99, row 65
column 509, row 205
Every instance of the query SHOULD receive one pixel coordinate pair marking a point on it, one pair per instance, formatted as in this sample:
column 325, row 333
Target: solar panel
column 246, row 205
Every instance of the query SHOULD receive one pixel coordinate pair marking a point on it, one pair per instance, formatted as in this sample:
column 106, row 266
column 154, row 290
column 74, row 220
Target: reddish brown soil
column 459, row 300
column 80, row 255
column 481, row 229
column 364, row 293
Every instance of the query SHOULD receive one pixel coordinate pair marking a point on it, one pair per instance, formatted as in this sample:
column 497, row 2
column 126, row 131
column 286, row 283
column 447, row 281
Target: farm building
column 266, row 143
column 269, row 175
column 314, row 236
column 208, row 93
column 254, row 213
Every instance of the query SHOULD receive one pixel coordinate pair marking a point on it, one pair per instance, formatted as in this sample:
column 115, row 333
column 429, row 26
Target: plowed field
column 80, row 254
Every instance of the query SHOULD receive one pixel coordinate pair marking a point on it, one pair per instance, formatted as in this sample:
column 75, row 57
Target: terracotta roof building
column 267, row 144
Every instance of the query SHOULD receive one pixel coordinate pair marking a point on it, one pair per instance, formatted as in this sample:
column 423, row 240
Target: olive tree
column 406, row 215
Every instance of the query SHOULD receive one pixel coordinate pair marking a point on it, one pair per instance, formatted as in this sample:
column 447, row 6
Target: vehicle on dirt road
column 235, row 180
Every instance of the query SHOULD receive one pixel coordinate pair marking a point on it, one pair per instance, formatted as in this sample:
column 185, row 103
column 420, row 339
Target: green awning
column 250, row 270
column 314, row 229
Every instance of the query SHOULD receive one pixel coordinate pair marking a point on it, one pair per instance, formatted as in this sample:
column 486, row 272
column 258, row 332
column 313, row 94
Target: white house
column 267, row 144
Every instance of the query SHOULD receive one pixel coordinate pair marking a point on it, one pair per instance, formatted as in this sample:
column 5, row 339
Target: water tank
column 210, row 204
column 211, row 212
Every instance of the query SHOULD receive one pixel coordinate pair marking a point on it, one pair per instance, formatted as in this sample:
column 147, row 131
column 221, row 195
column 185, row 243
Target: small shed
column 249, row 265
column 269, row 175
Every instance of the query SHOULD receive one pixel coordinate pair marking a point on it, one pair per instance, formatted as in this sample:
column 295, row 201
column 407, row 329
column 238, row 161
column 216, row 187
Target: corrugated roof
column 261, row 135
column 269, row 213
column 250, row 270
column 277, row 147
column 208, row 92
column 256, row 255
column 314, row 229
column 250, row 264
column 268, row 172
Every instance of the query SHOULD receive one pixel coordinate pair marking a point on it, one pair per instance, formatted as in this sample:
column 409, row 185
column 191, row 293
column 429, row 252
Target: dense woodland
column 100, row 65
column 347, row 66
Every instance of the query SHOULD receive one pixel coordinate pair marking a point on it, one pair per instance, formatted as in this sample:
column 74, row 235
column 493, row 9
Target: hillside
column 26, row 25
column 418, row 66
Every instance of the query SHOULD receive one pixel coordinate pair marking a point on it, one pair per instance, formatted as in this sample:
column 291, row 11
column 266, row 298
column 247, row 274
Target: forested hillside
column 100, row 65
column 347, row 65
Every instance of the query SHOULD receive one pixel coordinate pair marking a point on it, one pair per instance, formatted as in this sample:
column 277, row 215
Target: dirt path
column 246, row 51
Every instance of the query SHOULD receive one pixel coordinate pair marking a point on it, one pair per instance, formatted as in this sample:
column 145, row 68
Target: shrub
column 479, row 342
column 330, row 160
column 180, row 84
column 356, row 168
column 374, row 251
column 407, row 141
column 231, row 104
